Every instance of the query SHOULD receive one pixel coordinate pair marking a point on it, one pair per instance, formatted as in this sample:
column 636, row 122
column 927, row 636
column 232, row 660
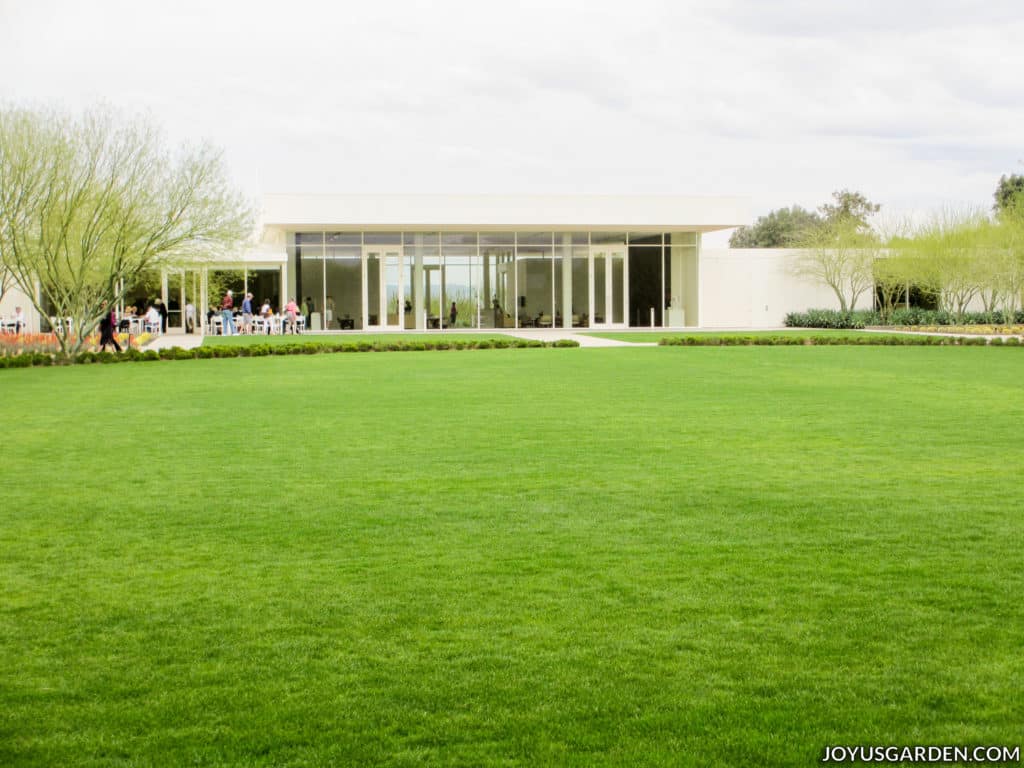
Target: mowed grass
column 650, row 556
column 655, row 334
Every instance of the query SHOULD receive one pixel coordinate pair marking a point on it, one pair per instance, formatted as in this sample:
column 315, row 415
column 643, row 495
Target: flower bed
column 12, row 345
column 984, row 330
column 867, row 339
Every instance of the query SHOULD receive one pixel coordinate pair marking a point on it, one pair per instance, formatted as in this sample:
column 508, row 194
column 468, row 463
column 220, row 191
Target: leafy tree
column 1006, row 271
column 893, row 275
column 849, row 207
column 1010, row 188
column 951, row 252
column 87, row 205
column 782, row 228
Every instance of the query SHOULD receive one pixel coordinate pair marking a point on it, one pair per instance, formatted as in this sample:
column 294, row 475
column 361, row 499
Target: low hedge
column 862, row 318
column 32, row 359
column 865, row 340
column 833, row 319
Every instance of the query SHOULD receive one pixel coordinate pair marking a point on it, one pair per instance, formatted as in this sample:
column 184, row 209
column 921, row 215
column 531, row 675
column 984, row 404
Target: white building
column 380, row 262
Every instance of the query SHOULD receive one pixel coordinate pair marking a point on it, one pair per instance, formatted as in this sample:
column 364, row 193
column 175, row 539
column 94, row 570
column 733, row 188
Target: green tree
column 88, row 204
column 781, row 228
column 849, row 208
column 951, row 254
column 1006, row 271
column 1010, row 189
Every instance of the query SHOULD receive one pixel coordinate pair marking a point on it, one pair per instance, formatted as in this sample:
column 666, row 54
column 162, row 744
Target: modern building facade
column 426, row 262
column 405, row 262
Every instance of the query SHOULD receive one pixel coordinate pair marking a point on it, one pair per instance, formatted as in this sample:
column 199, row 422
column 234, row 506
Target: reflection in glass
column 618, row 306
column 373, row 288
column 536, row 307
column 580, row 315
column 392, row 288
column 599, row 287
column 458, row 289
column 496, row 282
column 343, row 304
column 533, row 238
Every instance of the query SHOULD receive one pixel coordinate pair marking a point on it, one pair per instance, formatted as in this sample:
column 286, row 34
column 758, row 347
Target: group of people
column 16, row 323
column 154, row 318
column 154, row 321
column 289, row 315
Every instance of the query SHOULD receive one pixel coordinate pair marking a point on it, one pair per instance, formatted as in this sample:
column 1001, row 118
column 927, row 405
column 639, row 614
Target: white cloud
column 915, row 103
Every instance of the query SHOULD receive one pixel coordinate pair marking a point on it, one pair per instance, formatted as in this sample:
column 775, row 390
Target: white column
column 204, row 302
column 417, row 285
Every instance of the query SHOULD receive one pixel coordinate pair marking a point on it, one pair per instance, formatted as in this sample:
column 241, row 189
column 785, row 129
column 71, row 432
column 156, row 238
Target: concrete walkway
column 168, row 340
column 555, row 334
column 193, row 340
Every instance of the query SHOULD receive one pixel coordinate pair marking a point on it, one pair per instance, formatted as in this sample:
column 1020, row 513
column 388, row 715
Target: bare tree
column 88, row 203
column 841, row 255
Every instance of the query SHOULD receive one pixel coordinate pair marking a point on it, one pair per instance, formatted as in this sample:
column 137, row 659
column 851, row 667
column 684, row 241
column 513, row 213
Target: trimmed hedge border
column 865, row 340
column 35, row 359
column 862, row 318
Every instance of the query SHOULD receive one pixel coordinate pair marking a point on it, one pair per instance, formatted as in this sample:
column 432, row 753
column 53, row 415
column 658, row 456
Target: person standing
column 452, row 314
column 227, row 307
column 19, row 320
column 329, row 312
column 162, row 309
column 310, row 308
column 247, row 314
column 190, row 316
column 107, row 325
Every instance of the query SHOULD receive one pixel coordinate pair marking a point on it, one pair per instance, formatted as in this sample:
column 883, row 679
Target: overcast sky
column 917, row 103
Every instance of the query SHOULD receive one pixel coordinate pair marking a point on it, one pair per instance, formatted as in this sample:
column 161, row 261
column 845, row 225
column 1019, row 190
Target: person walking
column 291, row 312
column 162, row 309
column 227, row 307
column 107, row 325
column 247, row 314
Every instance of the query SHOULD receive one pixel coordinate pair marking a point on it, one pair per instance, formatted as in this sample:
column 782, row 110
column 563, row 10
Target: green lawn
column 650, row 556
column 349, row 338
column 654, row 335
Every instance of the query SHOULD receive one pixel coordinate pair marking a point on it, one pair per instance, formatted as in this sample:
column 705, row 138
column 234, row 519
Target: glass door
column 608, row 288
column 383, row 287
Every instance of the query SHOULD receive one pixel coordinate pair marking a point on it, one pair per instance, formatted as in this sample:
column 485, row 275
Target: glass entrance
column 383, row 288
column 608, row 288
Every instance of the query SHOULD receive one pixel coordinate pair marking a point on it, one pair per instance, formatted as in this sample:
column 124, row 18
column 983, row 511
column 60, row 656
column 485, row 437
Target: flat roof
column 609, row 213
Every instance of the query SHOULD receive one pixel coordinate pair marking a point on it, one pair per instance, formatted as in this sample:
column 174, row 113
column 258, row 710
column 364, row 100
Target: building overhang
column 596, row 213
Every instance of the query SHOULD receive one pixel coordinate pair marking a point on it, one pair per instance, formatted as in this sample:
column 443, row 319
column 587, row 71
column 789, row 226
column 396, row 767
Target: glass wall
column 438, row 280
column 460, row 298
column 580, row 287
column 535, row 280
column 343, row 299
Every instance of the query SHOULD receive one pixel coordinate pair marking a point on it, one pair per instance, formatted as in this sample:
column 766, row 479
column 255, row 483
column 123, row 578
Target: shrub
column 832, row 318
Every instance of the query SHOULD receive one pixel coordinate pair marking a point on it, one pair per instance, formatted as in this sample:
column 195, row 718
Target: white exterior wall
column 755, row 288
column 654, row 213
